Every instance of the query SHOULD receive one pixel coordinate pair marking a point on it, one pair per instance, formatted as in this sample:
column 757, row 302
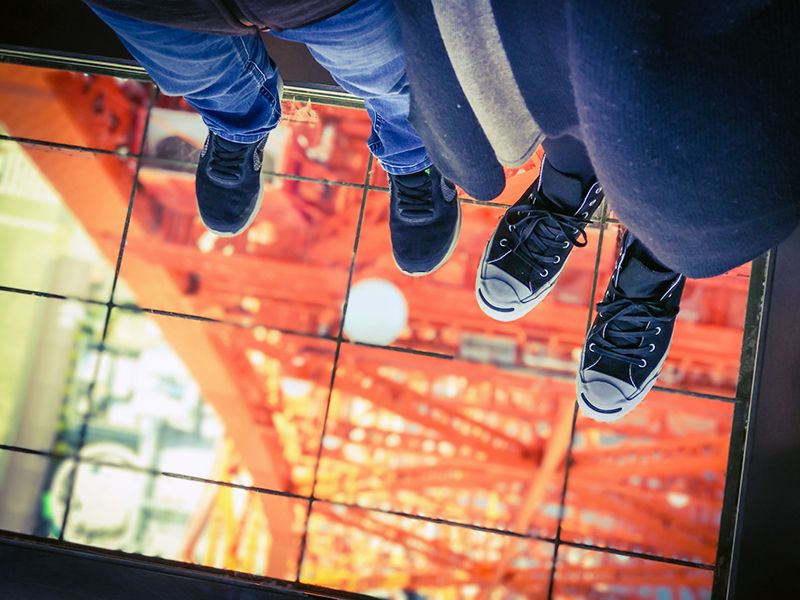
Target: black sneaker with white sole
column 629, row 340
column 228, row 184
column 424, row 220
column 532, row 242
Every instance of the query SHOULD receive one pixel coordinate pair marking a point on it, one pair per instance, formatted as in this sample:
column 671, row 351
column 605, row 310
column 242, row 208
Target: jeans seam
column 240, row 138
column 252, row 68
column 241, row 51
column 377, row 124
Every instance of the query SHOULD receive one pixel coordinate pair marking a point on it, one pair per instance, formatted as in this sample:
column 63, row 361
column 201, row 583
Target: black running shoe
column 530, row 246
column 228, row 184
column 424, row 220
column 631, row 334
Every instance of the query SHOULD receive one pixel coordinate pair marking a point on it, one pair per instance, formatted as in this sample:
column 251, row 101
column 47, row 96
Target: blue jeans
column 233, row 84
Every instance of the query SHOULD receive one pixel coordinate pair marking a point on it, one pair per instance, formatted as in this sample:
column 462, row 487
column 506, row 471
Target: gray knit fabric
column 483, row 70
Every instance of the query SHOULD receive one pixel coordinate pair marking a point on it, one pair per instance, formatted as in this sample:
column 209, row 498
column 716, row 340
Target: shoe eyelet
column 556, row 260
column 504, row 242
column 652, row 347
column 585, row 214
column 599, row 189
column 592, row 347
column 566, row 244
column 643, row 363
column 658, row 330
column 592, row 202
column 544, row 273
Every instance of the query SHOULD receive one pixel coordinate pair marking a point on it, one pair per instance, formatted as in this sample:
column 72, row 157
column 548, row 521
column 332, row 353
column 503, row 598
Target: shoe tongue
column 562, row 189
column 640, row 280
column 229, row 146
column 414, row 180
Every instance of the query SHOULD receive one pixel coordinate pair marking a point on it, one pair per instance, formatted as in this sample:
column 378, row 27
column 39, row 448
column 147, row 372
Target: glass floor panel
column 288, row 404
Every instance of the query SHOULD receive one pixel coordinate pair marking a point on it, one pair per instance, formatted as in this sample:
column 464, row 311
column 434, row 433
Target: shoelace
column 226, row 160
column 414, row 201
column 540, row 233
column 631, row 323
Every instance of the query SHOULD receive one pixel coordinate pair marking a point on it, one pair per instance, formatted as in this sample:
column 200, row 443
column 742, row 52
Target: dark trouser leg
column 568, row 155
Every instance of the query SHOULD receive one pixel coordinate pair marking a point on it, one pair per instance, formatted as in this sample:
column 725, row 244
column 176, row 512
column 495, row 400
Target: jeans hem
column 415, row 168
column 239, row 138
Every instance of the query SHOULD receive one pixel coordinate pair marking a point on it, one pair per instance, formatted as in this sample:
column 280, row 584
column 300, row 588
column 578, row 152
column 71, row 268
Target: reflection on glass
column 48, row 353
column 24, row 497
column 582, row 574
column 94, row 111
column 312, row 140
column 479, row 439
column 289, row 271
column 177, row 519
column 652, row 482
column 443, row 315
column 397, row 557
column 61, row 219
column 212, row 401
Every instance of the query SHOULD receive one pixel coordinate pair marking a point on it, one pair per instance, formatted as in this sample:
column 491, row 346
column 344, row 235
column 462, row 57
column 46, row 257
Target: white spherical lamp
column 377, row 312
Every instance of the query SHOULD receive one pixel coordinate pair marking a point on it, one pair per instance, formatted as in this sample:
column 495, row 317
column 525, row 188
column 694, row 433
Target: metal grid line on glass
column 353, row 429
column 304, row 539
column 72, row 479
column 590, row 316
column 343, row 505
column 156, row 311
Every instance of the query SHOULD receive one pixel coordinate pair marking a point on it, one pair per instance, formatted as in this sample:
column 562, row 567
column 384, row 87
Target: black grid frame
column 741, row 400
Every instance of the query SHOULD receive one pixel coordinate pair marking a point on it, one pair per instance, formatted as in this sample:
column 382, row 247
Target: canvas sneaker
column 629, row 340
column 528, row 250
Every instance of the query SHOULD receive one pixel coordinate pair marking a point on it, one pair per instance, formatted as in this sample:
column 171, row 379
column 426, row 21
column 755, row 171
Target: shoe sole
column 250, row 219
column 509, row 312
column 598, row 414
column 446, row 257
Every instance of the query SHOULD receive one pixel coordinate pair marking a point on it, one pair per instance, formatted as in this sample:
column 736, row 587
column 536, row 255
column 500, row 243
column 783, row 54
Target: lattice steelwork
column 288, row 404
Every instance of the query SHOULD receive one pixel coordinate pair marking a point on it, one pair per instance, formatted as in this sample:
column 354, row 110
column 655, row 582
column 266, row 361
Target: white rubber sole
column 600, row 414
column 506, row 312
column 447, row 255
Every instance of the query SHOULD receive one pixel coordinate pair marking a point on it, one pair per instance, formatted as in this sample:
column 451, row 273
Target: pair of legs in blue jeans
column 233, row 84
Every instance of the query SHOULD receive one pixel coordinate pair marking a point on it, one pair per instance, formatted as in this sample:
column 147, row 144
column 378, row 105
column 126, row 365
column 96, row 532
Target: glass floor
column 287, row 404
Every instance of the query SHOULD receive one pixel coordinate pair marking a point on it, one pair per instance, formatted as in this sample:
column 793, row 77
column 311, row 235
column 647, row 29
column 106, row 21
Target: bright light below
column 678, row 499
column 377, row 312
